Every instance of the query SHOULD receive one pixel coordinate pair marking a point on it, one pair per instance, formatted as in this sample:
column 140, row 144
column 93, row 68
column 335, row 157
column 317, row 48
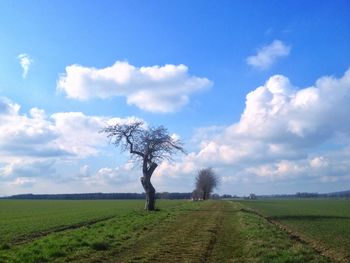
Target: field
column 180, row 231
column 325, row 224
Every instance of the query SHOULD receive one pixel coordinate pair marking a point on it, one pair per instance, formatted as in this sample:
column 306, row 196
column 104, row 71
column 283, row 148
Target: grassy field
column 325, row 224
column 25, row 219
column 120, row 231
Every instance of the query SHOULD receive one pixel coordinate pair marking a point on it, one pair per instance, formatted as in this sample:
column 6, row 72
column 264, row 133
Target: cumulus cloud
column 34, row 144
column 109, row 176
column 284, row 133
column 283, row 121
column 25, row 61
column 63, row 134
column 155, row 88
column 25, row 136
column 78, row 133
column 268, row 55
column 24, row 168
column 7, row 107
column 22, row 172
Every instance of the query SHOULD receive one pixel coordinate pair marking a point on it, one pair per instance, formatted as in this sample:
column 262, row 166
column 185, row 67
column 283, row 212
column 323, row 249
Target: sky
column 257, row 90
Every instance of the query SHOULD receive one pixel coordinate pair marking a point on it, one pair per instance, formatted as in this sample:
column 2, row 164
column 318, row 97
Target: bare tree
column 148, row 145
column 197, row 195
column 206, row 182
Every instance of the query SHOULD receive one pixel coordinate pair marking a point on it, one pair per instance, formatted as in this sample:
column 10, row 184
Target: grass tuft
column 5, row 246
column 100, row 246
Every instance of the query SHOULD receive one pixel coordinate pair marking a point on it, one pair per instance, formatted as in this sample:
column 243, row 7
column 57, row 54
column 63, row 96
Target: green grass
column 96, row 242
column 323, row 223
column 22, row 219
column 181, row 231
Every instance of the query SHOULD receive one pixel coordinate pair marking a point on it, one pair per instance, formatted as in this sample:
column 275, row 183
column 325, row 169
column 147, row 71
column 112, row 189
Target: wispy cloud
column 25, row 62
column 151, row 88
column 267, row 55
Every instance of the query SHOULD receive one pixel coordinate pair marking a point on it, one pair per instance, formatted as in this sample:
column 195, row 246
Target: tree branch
column 131, row 145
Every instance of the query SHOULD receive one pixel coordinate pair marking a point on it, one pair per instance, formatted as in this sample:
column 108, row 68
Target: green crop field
column 23, row 219
column 121, row 231
column 325, row 224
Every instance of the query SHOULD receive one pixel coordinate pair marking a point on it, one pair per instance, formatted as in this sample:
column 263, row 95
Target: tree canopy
column 149, row 145
column 206, row 182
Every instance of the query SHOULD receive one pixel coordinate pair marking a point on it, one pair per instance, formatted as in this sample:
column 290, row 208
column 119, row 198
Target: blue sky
column 259, row 90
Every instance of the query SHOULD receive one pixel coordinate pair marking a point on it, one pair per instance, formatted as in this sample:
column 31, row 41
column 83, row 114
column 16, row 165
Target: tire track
column 191, row 237
column 213, row 240
column 36, row 235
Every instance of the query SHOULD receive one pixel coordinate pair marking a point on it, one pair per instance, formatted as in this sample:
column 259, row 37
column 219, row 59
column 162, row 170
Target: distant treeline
column 342, row 194
column 167, row 195
column 95, row 196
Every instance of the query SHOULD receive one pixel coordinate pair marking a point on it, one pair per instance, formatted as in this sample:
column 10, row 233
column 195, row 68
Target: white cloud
column 25, row 168
column 34, row 144
column 7, row 107
column 30, row 136
column 44, row 152
column 63, row 134
column 318, row 162
column 267, row 55
column 284, row 133
column 23, row 182
column 78, row 133
column 127, row 120
column 23, row 172
column 107, row 176
column 280, row 169
column 154, row 88
column 25, row 62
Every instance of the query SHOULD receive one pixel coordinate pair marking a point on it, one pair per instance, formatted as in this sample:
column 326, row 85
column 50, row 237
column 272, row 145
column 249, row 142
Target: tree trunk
column 150, row 193
column 204, row 195
column 147, row 186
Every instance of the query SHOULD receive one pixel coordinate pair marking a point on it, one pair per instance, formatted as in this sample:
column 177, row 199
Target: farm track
column 217, row 232
column 212, row 232
column 190, row 238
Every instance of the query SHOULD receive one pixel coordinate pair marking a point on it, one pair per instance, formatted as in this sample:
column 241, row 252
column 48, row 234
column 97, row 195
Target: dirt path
column 190, row 238
column 217, row 232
